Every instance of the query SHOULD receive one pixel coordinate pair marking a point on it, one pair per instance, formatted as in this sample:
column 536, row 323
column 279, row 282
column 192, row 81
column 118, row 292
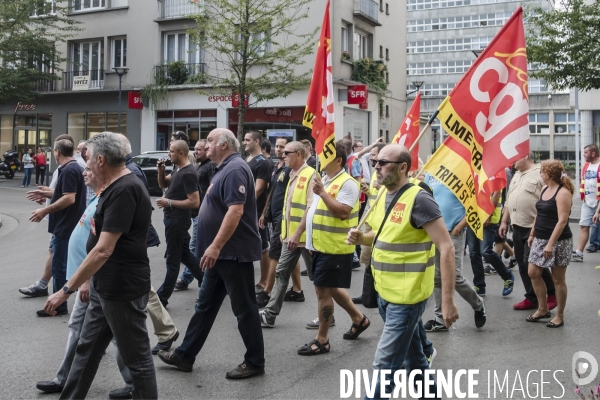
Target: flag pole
column 366, row 214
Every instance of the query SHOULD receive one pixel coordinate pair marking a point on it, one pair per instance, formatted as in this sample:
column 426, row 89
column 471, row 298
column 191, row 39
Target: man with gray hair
column 117, row 260
column 228, row 246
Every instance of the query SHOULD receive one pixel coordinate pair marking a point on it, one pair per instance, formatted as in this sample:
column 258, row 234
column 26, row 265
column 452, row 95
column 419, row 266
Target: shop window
column 6, row 133
column 119, row 52
column 82, row 126
column 197, row 124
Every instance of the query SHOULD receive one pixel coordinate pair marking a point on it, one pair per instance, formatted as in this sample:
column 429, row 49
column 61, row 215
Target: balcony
column 177, row 9
column 179, row 73
column 96, row 80
column 368, row 11
column 45, row 85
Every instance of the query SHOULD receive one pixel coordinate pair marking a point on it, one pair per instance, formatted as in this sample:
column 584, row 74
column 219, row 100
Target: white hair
column 226, row 136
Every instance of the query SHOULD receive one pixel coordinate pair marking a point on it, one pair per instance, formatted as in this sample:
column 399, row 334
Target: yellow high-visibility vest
column 298, row 205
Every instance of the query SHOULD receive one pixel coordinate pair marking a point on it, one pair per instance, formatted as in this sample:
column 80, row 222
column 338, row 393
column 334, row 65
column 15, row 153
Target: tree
column 255, row 48
column 564, row 42
column 29, row 30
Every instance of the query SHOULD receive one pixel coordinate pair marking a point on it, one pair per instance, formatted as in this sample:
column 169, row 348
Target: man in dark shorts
column 229, row 244
column 117, row 261
column 177, row 203
column 261, row 170
column 333, row 212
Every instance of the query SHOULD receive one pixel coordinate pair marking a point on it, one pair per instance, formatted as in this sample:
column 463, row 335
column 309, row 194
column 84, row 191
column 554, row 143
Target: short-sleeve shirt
column 451, row 208
column 425, row 209
column 123, row 207
column 205, row 172
column 279, row 182
column 232, row 184
column 356, row 171
column 347, row 195
column 591, row 185
column 70, row 180
column 184, row 181
column 40, row 159
column 77, row 242
column 261, row 169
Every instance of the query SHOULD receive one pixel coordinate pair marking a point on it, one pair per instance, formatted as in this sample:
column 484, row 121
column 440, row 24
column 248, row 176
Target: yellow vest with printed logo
column 497, row 212
column 328, row 232
column 403, row 257
column 298, row 205
column 372, row 192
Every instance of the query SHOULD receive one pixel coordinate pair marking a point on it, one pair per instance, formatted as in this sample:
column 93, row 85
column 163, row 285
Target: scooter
column 9, row 166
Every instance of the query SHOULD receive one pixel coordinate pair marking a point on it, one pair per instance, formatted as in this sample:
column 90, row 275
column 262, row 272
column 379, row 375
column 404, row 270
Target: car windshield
column 149, row 160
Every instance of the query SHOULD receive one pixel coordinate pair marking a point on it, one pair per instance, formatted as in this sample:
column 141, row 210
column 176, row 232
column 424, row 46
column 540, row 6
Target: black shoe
column 304, row 273
column 42, row 313
column 180, row 285
column 169, row 357
column 480, row 317
column 357, row 300
column 591, row 249
column 434, row 326
column 123, row 393
column 355, row 264
column 262, row 299
column 292, row 295
column 48, row 387
column 164, row 346
column 244, row 371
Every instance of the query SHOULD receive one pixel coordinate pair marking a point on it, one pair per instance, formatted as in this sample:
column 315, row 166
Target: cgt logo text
column 464, row 384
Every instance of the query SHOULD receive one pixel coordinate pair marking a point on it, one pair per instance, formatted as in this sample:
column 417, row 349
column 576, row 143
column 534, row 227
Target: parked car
column 147, row 162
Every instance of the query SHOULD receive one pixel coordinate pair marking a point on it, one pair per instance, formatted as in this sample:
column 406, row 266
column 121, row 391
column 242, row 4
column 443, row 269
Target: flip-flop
column 551, row 324
column 531, row 318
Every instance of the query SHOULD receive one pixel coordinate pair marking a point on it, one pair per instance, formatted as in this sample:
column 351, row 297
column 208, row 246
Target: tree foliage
column 29, row 30
column 565, row 42
column 255, row 47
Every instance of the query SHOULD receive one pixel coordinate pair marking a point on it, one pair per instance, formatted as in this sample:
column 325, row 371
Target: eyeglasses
column 383, row 163
column 287, row 153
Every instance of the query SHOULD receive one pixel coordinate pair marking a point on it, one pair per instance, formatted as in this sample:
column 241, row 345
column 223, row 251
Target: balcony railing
column 367, row 10
column 45, row 85
column 178, row 8
column 96, row 78
column 179, row 73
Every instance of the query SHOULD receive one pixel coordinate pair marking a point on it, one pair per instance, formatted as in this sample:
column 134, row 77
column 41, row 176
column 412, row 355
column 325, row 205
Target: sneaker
column 509, row 284
column 180, row 285
column 434, row 326
column 266, row 320
column 262, row 299
column 314, row 324
column 591, row 249
column 431, row 357
column 292, row 295
column 526, row 304
column 489, row 270
column 258, row 289
column 479, row 291
column 480, row 317
column 551, row 301
column 577, row 257
column 34, row 290
column 512, row 263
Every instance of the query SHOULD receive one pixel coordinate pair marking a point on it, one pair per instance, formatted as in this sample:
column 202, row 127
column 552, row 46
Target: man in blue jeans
column 229, row 244
column 66, row 207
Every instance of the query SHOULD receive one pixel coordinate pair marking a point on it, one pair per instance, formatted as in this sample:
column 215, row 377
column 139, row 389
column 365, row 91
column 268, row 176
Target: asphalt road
column 507, row 346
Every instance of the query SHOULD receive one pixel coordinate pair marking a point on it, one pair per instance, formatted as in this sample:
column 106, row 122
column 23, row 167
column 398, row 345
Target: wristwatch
column 67, row 291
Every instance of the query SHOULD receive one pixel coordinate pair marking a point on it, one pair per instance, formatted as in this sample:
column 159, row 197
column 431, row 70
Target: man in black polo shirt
column 261, row 170
column 66, row 207
column 177, row 203
column 229, row 244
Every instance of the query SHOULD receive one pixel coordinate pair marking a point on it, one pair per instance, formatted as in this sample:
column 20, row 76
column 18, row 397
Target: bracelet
column 170, row 206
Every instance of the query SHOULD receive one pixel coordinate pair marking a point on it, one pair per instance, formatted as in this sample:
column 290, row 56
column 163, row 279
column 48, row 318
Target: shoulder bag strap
column 391, row 206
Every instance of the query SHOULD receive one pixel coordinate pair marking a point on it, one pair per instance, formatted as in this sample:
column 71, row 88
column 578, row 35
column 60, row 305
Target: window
column 387, row 77
column 539, row 123
column 537, row 86
column 560, row 123
column 82, row 126
column 387, row 8
column 119, row 52
column 387, row 54
column 44, row 7
column 387, row 136
column 345, row 47
column 178, row 47
column 381, row 6
column 259, row 44
column 360, row 45
column 380, row 51
column 387, row 111
column 84, row 5
column 88, row 59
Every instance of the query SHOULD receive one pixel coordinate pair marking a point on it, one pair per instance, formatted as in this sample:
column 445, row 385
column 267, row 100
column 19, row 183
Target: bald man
column 181, row 198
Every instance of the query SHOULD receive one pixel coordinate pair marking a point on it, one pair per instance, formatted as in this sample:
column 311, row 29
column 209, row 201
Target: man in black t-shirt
column 178, row 202
column 118, row 262
column 261, row 169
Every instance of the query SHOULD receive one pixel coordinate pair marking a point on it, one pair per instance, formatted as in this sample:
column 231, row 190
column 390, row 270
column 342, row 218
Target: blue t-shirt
column 78, row 240
column 452, row 209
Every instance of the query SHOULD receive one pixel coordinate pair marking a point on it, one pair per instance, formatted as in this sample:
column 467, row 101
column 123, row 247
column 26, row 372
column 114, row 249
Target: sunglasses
column 383, row 163
column 287, row 153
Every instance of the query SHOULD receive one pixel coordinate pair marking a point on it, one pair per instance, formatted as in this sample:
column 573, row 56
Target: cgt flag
column 409, row 131
column 318, row 115
column 486, row 117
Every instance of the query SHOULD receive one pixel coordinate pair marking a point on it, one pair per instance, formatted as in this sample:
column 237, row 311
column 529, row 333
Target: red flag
column 319, row 107
column 486, row 118
column 409, row 131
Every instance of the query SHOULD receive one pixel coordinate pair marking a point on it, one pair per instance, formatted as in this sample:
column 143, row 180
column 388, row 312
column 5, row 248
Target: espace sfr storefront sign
column 234, row 98
column 357, row 94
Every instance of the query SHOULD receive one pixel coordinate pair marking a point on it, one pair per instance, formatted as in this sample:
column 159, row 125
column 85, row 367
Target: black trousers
column 520, row 237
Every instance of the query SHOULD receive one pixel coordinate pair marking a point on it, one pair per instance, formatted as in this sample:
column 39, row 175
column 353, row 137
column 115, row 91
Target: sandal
column 358, row 329
column 531, row 318
column 551, row 324
column 307, row 349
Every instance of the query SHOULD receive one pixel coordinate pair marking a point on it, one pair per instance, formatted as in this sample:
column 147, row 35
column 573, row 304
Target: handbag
column 369, row 294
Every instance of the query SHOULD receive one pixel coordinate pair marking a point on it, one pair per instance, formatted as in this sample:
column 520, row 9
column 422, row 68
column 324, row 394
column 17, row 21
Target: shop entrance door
column 26, row 139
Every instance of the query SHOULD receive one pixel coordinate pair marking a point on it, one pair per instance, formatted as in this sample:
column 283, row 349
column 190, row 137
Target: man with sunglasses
column 407, row 229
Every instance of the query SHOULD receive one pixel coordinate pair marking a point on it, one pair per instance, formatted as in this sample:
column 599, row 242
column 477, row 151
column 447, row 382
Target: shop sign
column 25, row 107
column 81, row 82
column 234, row 98
column 357, row 94
column 282, row 112
column 135, row 101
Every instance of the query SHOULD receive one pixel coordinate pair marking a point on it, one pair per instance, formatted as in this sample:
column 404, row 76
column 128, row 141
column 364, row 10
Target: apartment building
column 144, row 36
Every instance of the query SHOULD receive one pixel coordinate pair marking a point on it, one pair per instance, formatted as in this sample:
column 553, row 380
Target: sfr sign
column 357, row 94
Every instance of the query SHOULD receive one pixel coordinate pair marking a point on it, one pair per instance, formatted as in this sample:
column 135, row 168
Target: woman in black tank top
column 551, row 241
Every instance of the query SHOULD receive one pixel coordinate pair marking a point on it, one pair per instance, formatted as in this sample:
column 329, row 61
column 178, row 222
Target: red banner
column 409, row 131
column 486, row 116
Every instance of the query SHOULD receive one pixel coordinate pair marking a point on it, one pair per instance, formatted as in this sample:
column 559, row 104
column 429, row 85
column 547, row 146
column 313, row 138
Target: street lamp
column 416, row 84
column 120, row 71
